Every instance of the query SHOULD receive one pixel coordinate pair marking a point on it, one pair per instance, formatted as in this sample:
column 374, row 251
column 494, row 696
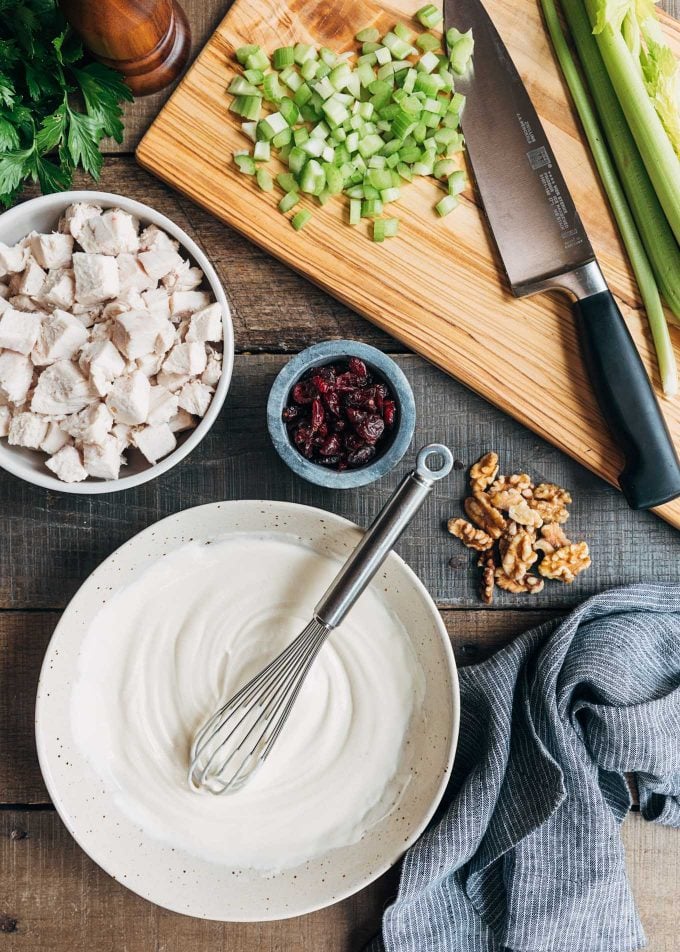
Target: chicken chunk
column 206, row 324
column 12, row 258
column 103, row 460
column 155, row 442
column 59, row 288
column 73, row 220
column 16, row 376
column 182, row 421
column 186, row 359
column 91, row 425
column 67, row 465
column 114, row 232
column 187, row 302
column 52, row 251
column 19, row 330
column 158, row 302
column 163, row 406
column 30, row 281
column 62, row 389
column 103, row 362
column 159, row 263
column 136, row 333
column 152, row 238
column 5, row 420
column 27, row 429
column 96, row 277
column 213, row 369
column 184, row 278
column 60, row 337
column 131, row 274
column 195, row 398
column 128, row 399
column 55, row 439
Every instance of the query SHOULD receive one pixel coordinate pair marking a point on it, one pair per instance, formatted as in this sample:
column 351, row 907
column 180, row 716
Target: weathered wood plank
column 24, row 637
column 52, row 541
column 53, row 898
column 273, row 308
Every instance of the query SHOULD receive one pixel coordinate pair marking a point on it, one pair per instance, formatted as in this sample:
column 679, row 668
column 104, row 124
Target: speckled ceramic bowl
column 326, row 353
column 175, row 878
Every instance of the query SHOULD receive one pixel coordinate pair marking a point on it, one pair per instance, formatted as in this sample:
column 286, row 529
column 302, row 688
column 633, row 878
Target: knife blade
column 544, row 246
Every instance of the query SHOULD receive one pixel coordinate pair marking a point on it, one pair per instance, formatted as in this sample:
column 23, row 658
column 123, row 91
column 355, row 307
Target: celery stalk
column 656, row 149
column 617, row 199
column 655, row 232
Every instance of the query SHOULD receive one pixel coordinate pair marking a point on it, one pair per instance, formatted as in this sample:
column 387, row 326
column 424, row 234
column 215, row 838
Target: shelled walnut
column 514, row 523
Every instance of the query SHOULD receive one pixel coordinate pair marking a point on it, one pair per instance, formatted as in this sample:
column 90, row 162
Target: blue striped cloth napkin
column 527, row 854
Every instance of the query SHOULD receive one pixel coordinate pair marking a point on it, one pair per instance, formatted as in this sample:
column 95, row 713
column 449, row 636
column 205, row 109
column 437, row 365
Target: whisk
column 238, row 738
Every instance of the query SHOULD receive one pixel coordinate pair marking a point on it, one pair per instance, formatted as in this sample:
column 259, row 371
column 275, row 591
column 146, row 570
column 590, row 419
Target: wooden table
column 52, row 897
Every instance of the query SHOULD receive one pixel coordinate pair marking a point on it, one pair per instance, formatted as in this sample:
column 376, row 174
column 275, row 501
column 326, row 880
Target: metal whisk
column 238, row 737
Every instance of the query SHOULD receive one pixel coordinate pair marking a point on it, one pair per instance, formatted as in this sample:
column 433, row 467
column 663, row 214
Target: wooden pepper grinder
column 146, row 40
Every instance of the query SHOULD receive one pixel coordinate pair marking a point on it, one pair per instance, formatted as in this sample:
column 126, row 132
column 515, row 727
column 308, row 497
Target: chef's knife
column 544, row 246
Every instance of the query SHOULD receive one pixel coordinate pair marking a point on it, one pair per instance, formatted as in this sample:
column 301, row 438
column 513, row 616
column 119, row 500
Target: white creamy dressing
column 169, row 648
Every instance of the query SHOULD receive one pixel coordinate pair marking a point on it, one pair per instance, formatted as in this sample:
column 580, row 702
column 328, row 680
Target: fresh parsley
column 55, row 104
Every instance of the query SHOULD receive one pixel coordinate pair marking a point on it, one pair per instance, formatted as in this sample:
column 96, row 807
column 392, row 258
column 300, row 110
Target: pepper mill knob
column 147, row 41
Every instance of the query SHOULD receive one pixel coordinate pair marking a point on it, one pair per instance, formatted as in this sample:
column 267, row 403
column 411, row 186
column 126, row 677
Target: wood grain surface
column 438, row 287
column 52, row 897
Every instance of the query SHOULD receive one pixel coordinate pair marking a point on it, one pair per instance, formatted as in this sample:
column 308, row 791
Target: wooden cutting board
column 438, row 286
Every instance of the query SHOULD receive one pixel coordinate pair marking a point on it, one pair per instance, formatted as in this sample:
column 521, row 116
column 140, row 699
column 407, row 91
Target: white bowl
column 41, row 214
column 171, row 875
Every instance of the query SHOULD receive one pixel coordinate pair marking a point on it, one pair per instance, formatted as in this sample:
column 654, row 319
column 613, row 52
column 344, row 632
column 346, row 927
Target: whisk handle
column 383, row 533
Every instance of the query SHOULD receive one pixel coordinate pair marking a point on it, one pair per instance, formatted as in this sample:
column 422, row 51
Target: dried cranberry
column 355, row 416
column 353, row 442
column 318, row 415
column 303, row 438
column 389, row 412
column 338, row 425
column 330, row 446
column 360, row 456
column 291, row 413
column 326, row 372
column 349, row 381
column 364, row 398
column 371, row 429
column 304, row 392
column 332, row 401
column 358, row 367
column 336, row 461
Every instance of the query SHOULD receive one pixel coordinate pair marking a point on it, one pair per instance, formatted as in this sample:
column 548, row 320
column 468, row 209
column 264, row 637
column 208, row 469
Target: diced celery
column 269, row 127
column 369, row 145
column 339, row 76
column 383, row 55
column 367, row 35
column 397, row 47
column 456, row 182
column 247, row 106
column 460, row 46
column 264, row 180
column 282, row 138
column 379, row 178
column 239, row 86
column 446, row 205
column 250, row 129
column 429, row 16
column 300, row 219
column 257, row 60
column 405, row 172
column 296, row 160
column 243, row 52
column 286, row 181
column 308, row 70
column 354, row 211
column 300, row 135
column 427, row 42
column 302, row 95
column 284, row 56
column 289, row 111
column 403, row 32
column 389, row 195
column 304, row 53
column 289, row 200
column 271, row 88
column 443, row 168
column 428, row 62
column 328, row 56
column 262, row 152
column 245, row 163
column 372, row 208
column 312, row 178
column 291, row 78
column 385, row 228
column 313, row 147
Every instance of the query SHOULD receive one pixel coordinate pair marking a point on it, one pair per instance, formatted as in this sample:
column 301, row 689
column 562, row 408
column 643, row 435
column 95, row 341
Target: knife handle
column 651, row 474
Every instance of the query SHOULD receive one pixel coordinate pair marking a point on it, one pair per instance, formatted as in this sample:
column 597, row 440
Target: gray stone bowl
column 326, row 353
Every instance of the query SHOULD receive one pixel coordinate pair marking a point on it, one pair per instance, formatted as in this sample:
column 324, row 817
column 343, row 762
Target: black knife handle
column 651, row 474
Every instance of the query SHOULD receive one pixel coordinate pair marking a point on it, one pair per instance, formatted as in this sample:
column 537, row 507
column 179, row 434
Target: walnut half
column 530, row 584
column 483, row 472
column 480, row 511
column 565, row 563
column 469, row 535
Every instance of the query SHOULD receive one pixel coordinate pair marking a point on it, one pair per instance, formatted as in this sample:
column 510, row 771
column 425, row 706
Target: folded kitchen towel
column 527, row 853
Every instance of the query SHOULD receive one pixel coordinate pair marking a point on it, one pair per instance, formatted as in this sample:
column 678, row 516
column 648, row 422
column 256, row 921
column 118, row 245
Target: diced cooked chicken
column 60, row 337
column 195, row 398
column 75, row 216
column 114, row 232
column 206, row 324
column 188, row 359
column 96, row 277
column 154, row 442
column 135, row 333
column 16, row 376
column 157, row 301
column 62, row 389
column 149, row 364
column 213, row 369
column 5, row 420
column 91, row 425
column 19, row 330
column 163, row 406
column 59, row 288
column 172, row 382
column 97, row 356
column 55, row 439
column 67, row 465
column 184, row 278
column 103, row 362
column 52, row 251
column 182, row 421
column 131, row 274
column 27, row 429
column 12, row 258
column 153, row 239
column 128, row 399
column 187, row 302
column 103, row 460
column 31, row 279
column 159, row 263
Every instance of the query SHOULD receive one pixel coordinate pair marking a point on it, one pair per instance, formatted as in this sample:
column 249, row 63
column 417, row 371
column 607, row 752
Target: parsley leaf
column 55, row 103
